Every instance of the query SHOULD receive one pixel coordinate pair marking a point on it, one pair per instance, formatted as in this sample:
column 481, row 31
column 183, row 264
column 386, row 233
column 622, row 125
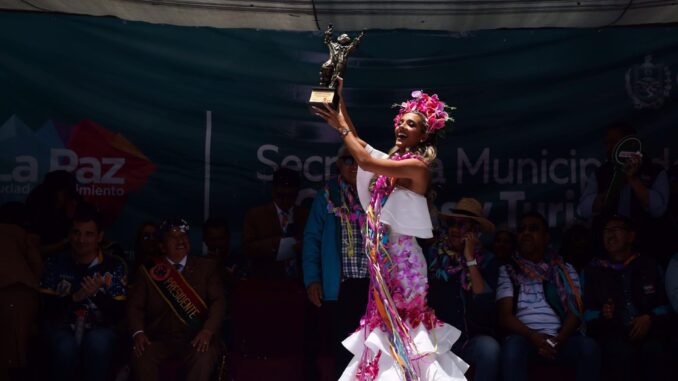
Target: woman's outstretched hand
column 333, row 117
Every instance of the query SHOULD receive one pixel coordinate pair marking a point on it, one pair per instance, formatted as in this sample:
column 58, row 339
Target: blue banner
column 161, row 120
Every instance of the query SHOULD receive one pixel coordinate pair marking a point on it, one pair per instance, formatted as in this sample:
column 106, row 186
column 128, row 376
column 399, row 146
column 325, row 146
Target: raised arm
column 356, row 41
column 344, row 111
column 340, row 121
column 328, row 34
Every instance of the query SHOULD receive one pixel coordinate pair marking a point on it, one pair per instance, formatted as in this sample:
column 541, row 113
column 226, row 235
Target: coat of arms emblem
column 648, row 84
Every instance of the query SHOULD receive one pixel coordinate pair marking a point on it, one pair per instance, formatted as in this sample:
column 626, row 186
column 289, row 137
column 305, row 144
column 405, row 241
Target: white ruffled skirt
column 437, row 364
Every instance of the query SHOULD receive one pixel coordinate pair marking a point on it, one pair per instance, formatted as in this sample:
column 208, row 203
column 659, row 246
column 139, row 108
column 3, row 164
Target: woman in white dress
column 399, row 337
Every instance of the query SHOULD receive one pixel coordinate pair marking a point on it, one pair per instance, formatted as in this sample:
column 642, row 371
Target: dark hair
column 286, row 177
column 140, row 230
column 538, row 216
column 14, row 213
column 623, row 219
column 85, row 212
column 511, row 234
column 62, row 181
column 215, row 223
column 625, row 128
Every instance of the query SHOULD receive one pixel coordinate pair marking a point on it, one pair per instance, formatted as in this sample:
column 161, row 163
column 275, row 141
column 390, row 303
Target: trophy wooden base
column 320, row 95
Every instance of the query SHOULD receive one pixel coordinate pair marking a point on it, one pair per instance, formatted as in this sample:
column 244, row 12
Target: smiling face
column 175, row 245
column 84, row 238
column 410, row 131
column 618, row 239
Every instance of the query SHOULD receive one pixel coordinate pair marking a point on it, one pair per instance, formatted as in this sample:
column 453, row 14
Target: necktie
column 178, row 266
column 284, row 221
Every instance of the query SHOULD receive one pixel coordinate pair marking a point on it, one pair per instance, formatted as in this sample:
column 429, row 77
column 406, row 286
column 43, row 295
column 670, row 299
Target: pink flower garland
column 407, row 286
column 393, row 277
column 432, row 108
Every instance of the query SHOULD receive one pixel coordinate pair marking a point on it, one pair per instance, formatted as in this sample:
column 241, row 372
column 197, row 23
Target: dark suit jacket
column 261, row 237
column 148, row 311
column 20, row 260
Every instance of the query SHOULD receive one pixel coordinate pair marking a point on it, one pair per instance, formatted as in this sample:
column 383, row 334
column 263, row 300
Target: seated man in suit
column 272, row 232
column 176, row 308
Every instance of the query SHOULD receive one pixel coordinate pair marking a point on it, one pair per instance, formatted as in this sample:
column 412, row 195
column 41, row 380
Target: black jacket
column 641, row 281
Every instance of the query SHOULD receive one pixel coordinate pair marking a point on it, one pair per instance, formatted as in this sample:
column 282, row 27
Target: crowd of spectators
column 599, row 304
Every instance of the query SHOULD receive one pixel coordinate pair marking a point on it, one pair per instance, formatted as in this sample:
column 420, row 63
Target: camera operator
column 643, row 196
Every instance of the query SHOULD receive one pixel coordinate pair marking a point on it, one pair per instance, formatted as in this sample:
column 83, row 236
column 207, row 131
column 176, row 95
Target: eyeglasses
column 460, row 223
column 530, row 228
column 615, row 229
column 347, row 160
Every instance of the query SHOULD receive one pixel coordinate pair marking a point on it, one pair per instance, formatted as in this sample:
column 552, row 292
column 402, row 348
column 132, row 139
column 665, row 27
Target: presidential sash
column 179, row 295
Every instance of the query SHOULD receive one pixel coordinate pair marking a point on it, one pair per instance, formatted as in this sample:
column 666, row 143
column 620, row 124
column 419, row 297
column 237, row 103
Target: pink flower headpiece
column 434, row 111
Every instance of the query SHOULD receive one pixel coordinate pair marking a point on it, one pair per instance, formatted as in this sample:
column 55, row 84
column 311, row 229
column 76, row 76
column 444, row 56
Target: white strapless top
column 406, row 212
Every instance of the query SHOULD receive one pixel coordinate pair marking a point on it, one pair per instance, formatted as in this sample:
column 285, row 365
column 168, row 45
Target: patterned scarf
column 553, row 270
column 349, row 211
column 607, row 264
column 448, row 263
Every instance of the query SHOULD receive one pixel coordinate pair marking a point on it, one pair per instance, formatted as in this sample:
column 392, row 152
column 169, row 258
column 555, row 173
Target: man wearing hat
column 462, row 282
column 176, row 308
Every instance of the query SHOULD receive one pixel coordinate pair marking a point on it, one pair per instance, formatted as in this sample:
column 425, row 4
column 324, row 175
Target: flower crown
column 436, row 118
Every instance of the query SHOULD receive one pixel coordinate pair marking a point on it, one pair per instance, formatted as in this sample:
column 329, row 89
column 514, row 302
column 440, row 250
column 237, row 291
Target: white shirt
column 290, row 216
column 532, row 309
column 182, row 262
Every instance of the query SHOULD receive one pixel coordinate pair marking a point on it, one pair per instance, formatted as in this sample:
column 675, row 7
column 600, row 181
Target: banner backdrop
column 172, row 121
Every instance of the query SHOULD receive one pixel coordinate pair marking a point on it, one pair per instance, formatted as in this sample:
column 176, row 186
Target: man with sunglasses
column 627, row 310
column 335, row 265
column 272, row 232
column 540, row 307
column 462, row 281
